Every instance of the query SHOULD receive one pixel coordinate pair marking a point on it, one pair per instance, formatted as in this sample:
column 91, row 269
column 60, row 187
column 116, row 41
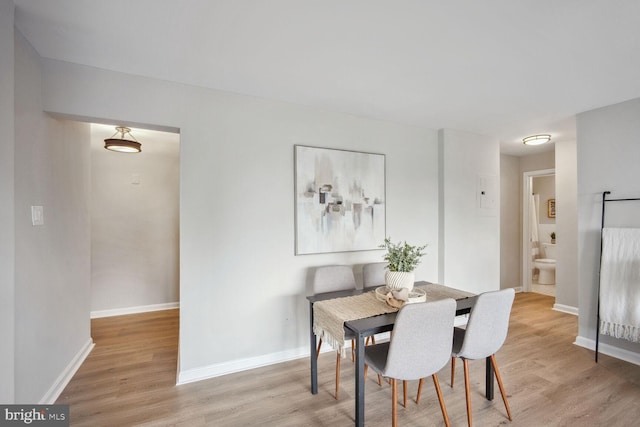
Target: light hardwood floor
column 549, row 290
column 129, row 379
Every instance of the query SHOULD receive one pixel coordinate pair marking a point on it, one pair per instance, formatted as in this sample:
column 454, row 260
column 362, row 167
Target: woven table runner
column 329, row 315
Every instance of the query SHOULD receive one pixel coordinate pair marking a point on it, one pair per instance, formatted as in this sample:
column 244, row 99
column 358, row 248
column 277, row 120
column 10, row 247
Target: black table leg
column 360, row 379
column 489, row 379
column 312, row 353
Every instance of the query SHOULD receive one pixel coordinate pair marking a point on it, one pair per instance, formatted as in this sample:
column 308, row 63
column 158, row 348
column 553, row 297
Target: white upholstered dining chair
column 373, row 274
column 420, row 346
column 483, row 336
column 330, row 279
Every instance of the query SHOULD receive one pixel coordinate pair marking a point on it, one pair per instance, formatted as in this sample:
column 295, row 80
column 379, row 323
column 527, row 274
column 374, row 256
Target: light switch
column 37, row 215
column 487, row 193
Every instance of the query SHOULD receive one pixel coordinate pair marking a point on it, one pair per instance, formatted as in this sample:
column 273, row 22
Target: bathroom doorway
column 538, row 232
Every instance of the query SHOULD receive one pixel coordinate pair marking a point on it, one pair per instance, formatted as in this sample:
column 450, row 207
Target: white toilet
column 547, row 265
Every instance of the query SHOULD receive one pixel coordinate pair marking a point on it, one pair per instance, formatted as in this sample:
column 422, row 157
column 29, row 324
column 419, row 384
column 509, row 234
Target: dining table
column 371, row 325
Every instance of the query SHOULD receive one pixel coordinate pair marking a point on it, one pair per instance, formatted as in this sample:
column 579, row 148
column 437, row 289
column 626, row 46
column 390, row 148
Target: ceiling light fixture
column 536, row 139
column 122, row 145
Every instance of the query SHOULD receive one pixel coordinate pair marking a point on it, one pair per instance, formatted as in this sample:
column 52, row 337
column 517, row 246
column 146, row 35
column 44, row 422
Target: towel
column 620, row 283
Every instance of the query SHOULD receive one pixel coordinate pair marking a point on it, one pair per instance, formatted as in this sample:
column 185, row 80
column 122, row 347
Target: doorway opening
column 538, row 232
column 134, row 213
column 135, row 228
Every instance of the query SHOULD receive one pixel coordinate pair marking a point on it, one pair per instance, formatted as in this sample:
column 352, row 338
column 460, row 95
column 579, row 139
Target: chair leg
column 404, row 393
column 337, row 367
column 419, row 390
column 453, row 369
column 394, row 402
column 337, row 373
column 353, row 353
column 501, row 386
column 373, row 339
column 443, row 408
column 366, row 371
column 467, row 390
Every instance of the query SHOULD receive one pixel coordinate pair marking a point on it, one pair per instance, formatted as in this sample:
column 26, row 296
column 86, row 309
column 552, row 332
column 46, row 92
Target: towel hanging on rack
column 620, row 283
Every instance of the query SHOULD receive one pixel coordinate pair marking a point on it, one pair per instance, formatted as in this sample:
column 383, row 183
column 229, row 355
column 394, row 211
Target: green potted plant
column 403, row 259
column 553, row 237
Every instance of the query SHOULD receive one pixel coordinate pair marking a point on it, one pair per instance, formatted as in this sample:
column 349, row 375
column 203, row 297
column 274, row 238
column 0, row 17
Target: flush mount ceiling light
column 121, row 144
column 536, row 139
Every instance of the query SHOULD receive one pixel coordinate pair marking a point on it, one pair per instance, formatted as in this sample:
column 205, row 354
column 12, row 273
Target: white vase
column 399, row 279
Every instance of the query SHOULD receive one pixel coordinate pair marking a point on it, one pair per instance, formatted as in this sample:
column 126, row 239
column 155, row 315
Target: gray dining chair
column 482, row 337
column 373, row 274
column 330, row 279
column 420, row 346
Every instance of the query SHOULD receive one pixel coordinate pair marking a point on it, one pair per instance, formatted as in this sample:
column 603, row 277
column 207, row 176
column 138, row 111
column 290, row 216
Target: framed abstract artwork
column 339, row 200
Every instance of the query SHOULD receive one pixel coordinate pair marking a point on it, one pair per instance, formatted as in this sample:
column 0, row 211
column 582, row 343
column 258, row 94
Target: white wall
column 566, row 225
column 52, row 263
column 608, row 153
column 134, row 226
column 470, row 249
column 535, row 162
column 545, row 186
column 7, row 235
column 238, row 271
column 510, row 222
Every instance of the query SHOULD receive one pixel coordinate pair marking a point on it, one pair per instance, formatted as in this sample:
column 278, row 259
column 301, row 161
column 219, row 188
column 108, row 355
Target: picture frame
column 339, row 199
column 551, row 208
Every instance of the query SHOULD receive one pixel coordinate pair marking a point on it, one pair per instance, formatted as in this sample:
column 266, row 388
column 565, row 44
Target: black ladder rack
column 604, row 202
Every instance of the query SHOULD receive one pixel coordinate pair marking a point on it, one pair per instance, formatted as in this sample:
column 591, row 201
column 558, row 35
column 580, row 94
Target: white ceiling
column 502, row 68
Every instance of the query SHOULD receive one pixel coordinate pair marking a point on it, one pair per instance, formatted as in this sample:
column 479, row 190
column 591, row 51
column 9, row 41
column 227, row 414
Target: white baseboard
column 233, row 366
column 566, row 309
column 63, row 379
column 134, row 310
column 517, row 288
column 609, row 350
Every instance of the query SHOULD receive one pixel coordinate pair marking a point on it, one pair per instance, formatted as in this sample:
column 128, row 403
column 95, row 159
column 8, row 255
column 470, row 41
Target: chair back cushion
column 421, row 339
column 374, row 274
column 333, row 278
column 488, row 324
